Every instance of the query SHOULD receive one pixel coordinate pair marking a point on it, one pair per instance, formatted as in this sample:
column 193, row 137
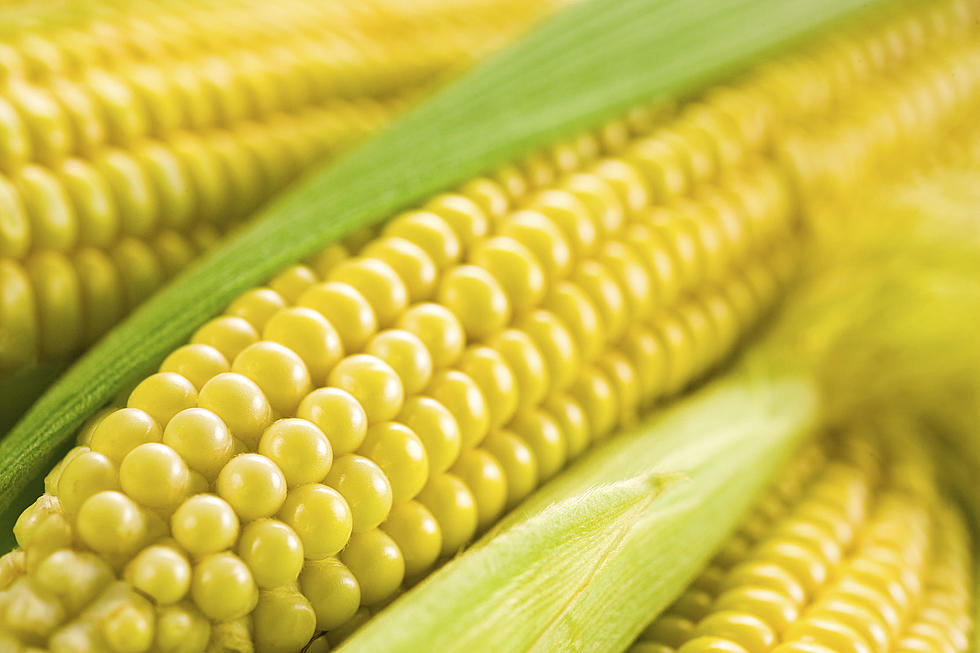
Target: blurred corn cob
column 864, row 555
column 132, row 138
column 589, row 281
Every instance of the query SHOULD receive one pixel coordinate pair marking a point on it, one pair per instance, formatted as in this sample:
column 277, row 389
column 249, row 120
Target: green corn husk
column 585, row 65
column 592, row 557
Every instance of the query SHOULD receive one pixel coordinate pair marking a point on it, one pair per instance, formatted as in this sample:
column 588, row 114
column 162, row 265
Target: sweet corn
column 324, row 443
column 861, row 556
column 125, row 133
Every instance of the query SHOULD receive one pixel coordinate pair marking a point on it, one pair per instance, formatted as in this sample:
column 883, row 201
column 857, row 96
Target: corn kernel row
column 114, row 229
column 851, row 568
column 97, row 157
column 327, row 440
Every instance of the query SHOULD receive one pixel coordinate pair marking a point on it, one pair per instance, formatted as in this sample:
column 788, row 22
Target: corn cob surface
column 372, row 409
column 132, row 140
column 864, row 555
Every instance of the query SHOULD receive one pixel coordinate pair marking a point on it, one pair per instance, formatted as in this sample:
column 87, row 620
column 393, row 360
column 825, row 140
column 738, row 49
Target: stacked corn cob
column 865, row 555
column 334, row 434
column 131, row 140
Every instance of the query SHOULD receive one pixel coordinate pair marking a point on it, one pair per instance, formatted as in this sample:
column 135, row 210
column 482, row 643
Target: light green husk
column 592, row 557
column 587, row 64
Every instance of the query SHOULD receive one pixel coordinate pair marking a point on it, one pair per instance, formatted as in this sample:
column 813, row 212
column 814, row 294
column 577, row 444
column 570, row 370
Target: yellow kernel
column 253, row 485
column 407, row 355
column 98, row 219
column 766, row 575
column 53, row 225
column 345, row 309
column 327, row 258
column 110, row 523
column 827, row 632
column 527, row 364
column 476, row 298
column 412, row 264
column 543, row 435
column 599, row 284
column 307, row 334
column 132, row 191
column 338, row 415
column 123, row 430
column 238, row 402
column 485, row 478
column 401, row 456
column 374, row 559
column 463, row 215
column 594, row 391
column 545, row 241
column 272, row 551
column 162, row 396
column 201, row 439
column 744, row 629
column 19, row 331
column 430, row 232
column 299, row 448
column 626, row 181
column 88, row 473
column 572, row 421
column 621, row 372
column 364, row 487
column 518, row 462
column 454, row 508
column 204, row 524
column 461, row 396
column 693, row 604
column 292, row 282
column 228, row 334
column 438, row 329
column 670, row 629
column 601, row 199
column 278, row 371
column 332, row 591
column 377, row 282
column 773, row 607
column 58, row 301
column 711, row 645
column 515, row 269
column 321, row 518
column 569, row 303
column 223, row 588
column 556, row 345
column 487, row 368
column 679, row 345
column 417, row 534
column 488, row 195
column 160, row 572
column 283, row 621
column 373, row 383
column 154, row 475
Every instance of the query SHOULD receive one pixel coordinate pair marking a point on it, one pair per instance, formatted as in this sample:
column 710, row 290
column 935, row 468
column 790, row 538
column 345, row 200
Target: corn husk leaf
column 587, row 561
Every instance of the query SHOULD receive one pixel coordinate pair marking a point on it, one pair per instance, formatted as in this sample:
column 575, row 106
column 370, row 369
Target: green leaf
column 587, row 561
column 587, row 64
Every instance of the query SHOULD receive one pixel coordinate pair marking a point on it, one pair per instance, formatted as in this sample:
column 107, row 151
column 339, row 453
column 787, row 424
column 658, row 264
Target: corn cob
column 864, row 557
column 130, row 142
column 557, row 359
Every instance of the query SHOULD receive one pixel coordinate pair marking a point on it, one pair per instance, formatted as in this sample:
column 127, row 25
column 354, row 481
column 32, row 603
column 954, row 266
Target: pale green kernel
column 112, row 524
column 364, row 487
column 454, row 508
column 162, row 396
column 155, row 475
column 283, row 621
column 376, row 562
column 400, row 454
column 373, row 383
column 204, row 524
column 417, row 534
column 253, row 485
column 332, row 591
column 338, row 415
column 90, row 472
column 223, row 588
column 273, row 551
column 161, row 572
column 201, row 438
column 181, row 629
column 121, row 431
column 299, row 449
column 436, row 427
column 320, row 517
column 240, row 404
